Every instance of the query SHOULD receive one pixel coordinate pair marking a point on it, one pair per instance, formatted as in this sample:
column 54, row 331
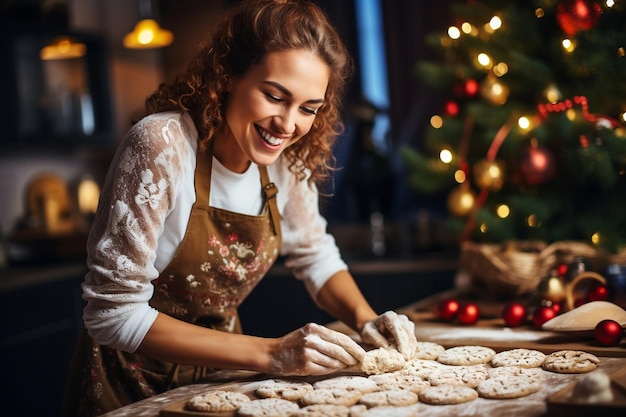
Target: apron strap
column 204, row 163
column 270, row 190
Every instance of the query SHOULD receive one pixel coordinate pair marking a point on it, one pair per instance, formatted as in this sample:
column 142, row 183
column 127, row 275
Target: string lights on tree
column 534, row 125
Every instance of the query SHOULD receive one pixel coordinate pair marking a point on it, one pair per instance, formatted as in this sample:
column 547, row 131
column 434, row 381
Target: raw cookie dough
column 595, row 387
column 524, row 358
column 380, row 361
column 279, row 388
column 503, row 387
column 570, row 362
column 466, row 355
column 447, row 394
column 217, row 401
column 267, row 407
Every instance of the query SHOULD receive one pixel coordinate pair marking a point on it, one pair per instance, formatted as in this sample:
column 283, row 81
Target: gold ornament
column 489, row 174
column 552, row 289
column 494, row 90
column 552, row 93
column 461, row 201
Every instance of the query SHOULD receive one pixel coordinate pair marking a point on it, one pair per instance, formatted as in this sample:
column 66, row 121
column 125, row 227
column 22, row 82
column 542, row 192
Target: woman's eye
column 309, row 110
column 274, row 98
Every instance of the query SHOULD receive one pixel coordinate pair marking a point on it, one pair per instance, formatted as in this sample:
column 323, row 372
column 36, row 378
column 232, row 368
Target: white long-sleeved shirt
column 143, row 213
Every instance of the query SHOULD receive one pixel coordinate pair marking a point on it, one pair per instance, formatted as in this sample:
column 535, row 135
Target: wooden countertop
column 534, row 405
column 489, row 332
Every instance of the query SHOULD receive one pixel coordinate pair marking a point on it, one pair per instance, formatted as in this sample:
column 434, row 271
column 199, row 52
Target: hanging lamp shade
column 148, row 34
column 62, row 48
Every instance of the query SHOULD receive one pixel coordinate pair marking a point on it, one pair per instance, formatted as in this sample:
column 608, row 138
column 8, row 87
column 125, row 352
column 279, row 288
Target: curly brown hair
column 244, row 37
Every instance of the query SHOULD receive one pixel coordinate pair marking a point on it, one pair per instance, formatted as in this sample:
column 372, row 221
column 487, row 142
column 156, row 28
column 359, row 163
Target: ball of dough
column 594, row 387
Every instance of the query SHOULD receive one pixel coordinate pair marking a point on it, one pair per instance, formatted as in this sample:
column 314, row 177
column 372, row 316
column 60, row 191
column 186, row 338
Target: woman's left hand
column 391, row 328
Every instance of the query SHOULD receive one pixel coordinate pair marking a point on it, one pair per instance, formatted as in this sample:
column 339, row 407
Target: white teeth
column 270, row 139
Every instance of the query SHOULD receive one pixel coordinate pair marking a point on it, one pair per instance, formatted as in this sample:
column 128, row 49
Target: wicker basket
column 516, row 267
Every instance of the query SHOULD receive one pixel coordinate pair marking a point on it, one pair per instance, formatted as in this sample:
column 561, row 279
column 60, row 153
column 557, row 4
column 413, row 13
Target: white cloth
column 143, row 213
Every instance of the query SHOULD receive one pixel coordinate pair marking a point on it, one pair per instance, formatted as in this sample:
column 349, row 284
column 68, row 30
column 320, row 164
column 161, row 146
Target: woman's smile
column 269, row 138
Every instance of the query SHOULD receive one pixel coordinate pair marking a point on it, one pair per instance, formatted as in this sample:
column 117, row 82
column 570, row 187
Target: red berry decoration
column 471, row 87
column 598, row 293
column 468, row 314
column 608, row 332
column 543, row 314
column 448, row 309
column 576, row 15
column 451, row 108
column 561, row 269
column 514, row 314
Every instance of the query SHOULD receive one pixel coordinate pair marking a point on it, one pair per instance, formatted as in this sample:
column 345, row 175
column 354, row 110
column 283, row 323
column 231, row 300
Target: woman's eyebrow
column 288, row 93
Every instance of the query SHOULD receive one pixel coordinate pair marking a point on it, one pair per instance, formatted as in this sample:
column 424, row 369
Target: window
column 373, row 64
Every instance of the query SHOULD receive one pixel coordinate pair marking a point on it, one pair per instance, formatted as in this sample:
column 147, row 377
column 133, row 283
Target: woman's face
column 271, row 107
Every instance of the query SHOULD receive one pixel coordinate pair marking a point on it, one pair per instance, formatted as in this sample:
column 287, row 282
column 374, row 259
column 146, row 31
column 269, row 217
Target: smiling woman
column 202, row 196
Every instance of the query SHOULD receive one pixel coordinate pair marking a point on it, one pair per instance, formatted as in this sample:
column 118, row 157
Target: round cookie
column 400, row 380
column 422, row 367
column 524, row 358
column 428, row 350
column 396, row 398
column 466, row 355
column 217, row 401
column 348, row 382
column 447, row 394
column 267, row 407
column 462, row 375
column 514, row 371
column 570, row 362
column 279, row 388
column 335, row 396
column 504, row 387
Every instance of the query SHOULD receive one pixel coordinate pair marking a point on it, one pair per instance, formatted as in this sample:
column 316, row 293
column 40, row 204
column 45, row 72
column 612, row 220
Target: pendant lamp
column 147, row 33
column 62, row 48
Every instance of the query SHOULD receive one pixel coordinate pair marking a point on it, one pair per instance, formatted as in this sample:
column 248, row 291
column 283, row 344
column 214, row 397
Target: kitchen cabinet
column 41, row 317
column 56, row 104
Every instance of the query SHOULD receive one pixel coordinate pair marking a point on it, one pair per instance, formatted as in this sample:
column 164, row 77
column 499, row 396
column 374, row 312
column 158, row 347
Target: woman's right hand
column 314, row 350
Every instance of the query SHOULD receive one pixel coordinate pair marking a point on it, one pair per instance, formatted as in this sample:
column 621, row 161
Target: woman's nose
column 286, row 121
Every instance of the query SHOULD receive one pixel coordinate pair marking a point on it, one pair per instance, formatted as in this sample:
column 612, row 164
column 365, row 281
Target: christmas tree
column 530, row 143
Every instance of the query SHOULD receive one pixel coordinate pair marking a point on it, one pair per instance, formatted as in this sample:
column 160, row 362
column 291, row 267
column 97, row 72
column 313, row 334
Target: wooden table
column 489, row 332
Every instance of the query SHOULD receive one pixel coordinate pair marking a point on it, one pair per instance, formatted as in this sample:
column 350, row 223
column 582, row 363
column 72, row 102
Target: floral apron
column 221, row 258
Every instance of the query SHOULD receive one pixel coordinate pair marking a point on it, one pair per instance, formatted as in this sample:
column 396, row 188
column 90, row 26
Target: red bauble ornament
column 451, row 108
column 514, row 314
column 447, row 309
column 471, row 87
column 598, row 292
column 576, row 15
column 468, row 314
column 561, row 269
column 534, row 165
column 608, row 332
column 543, row 314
